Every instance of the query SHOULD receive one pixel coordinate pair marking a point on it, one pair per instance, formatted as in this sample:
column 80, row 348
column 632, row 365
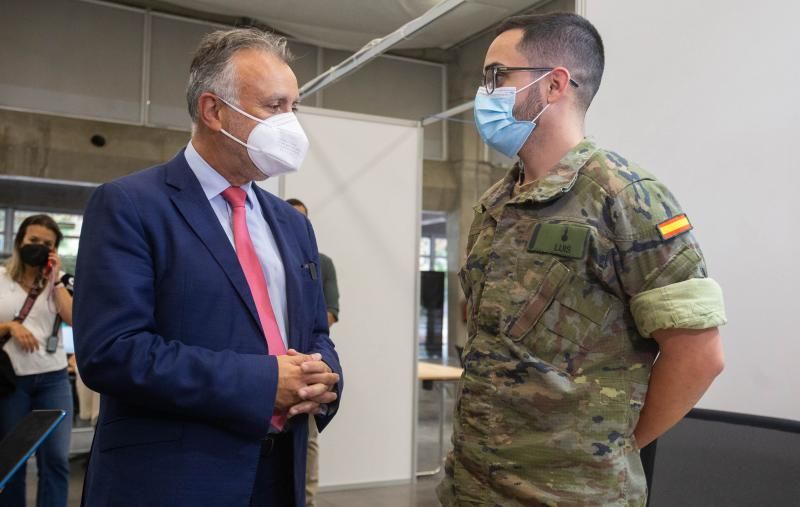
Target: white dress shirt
column 39, row 322
column 261, row 235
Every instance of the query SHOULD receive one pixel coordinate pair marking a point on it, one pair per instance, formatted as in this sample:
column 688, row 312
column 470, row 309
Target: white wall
column 361, row 183
column 703, row 94
column 125, row 64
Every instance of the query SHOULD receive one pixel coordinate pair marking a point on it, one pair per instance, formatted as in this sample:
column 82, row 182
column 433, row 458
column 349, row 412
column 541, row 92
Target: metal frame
column 445, row 129
column 527, row 10
column 9, row 232
column 144, row 107
column 196, row 21
column 453, row 111
column 359, row 116
column 319, row 100
column 48, row 181
column 414, row 337
column 115, row 121
column 741, row 419
column 113, row 5
column 440, row 456
column 147, row 43
column 376, row 47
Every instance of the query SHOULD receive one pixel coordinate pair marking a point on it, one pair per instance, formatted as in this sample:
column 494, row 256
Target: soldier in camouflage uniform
column 573, row 280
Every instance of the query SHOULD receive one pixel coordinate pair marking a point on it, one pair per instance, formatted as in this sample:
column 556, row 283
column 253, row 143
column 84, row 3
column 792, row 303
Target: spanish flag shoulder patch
column 674, row 226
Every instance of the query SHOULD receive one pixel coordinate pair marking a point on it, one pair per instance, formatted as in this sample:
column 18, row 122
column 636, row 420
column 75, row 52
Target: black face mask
column 35, row 255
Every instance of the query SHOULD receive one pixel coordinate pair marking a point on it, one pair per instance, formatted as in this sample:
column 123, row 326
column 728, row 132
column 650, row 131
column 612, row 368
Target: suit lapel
column 196, row 210
column 277, row 224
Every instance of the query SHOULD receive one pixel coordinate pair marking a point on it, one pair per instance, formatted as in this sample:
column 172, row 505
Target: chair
column 714, row 458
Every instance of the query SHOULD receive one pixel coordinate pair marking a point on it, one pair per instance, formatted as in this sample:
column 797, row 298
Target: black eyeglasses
column 490, row 75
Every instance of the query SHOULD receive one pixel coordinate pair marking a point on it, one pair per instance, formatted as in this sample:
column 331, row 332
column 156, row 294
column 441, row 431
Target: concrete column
column 49, row 146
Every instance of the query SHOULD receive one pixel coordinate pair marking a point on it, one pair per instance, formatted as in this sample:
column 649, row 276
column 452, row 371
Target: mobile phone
column 48, row 267
column 52, row 344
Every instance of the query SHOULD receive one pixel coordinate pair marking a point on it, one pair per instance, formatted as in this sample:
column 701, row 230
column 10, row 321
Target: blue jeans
column 36, row 392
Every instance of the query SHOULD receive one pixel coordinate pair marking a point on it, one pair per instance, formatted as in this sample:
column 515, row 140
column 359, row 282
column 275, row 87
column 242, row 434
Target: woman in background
column 37, row 354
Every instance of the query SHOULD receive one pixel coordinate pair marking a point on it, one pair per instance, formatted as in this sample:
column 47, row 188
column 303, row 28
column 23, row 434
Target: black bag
column 8, row 379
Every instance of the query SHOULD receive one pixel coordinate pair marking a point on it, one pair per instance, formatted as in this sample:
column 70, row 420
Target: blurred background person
column 30, row 334
column 330, row 290
column 88, row 400
column 327, row 271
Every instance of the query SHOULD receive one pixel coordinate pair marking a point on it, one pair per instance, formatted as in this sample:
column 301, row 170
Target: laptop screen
column 24, row 439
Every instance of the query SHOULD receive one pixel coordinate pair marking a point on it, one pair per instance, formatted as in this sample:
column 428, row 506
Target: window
column 433, row 259
column 424, row 263
column 433, row 321
column 441, row 247
column 425, row 247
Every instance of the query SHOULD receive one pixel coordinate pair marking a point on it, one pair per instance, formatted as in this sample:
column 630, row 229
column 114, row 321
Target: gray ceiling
column 350, row 24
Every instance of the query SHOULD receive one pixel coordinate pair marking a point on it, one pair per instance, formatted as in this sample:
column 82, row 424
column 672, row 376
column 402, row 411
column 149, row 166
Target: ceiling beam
column 376, row 47
column 453, row 111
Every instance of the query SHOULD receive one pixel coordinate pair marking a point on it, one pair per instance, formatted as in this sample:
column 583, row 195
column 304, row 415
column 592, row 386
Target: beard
column 528, row 110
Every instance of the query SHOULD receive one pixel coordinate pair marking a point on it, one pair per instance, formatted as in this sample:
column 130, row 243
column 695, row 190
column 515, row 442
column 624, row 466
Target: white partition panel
column 361, row 182
column 396, row 87
column 704, row 94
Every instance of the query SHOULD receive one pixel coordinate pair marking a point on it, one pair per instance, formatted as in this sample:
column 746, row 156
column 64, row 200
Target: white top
column 39, row 322
column 260, row 234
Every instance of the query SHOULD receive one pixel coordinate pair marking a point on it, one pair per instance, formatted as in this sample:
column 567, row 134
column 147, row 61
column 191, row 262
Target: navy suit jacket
column 167, row 331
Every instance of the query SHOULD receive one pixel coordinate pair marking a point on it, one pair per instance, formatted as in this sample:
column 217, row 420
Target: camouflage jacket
column 565, row 282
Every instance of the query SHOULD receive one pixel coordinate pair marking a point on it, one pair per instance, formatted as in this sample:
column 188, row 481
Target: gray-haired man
column 198, row 315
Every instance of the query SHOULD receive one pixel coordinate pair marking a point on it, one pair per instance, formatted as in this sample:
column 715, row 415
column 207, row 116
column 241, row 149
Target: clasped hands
column 304, row 383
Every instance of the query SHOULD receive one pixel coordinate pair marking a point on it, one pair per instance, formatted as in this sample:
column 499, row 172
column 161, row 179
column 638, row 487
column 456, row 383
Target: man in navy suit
column 199, row 313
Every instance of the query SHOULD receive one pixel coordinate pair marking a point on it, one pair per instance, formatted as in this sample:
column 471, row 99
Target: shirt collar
column 212, row 182
column 555, row 183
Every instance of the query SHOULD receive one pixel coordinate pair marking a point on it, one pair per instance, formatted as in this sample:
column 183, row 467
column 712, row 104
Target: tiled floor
column 421, row 494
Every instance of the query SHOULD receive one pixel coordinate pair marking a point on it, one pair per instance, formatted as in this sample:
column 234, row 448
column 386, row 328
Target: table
column 438, row 373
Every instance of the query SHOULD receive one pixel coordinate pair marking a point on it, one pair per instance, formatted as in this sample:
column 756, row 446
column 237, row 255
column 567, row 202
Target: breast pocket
column 564, row 320
column 529, row 314
column 581, row 312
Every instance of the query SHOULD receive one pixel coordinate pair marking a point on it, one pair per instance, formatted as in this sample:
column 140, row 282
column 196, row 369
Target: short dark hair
column 296, row 202
column 563, row 39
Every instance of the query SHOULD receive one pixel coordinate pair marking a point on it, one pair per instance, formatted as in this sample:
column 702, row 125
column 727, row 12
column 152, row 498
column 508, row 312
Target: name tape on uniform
column 674, row 226
column 565, row 240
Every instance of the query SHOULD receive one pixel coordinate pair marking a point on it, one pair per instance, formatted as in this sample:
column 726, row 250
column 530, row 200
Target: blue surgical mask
column 495, row 120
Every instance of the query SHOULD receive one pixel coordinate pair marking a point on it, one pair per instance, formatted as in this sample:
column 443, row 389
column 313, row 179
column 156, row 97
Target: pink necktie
column 251, row 266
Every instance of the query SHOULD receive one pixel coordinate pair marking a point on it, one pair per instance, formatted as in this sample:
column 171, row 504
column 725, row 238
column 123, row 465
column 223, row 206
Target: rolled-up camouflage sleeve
column 665, row 279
